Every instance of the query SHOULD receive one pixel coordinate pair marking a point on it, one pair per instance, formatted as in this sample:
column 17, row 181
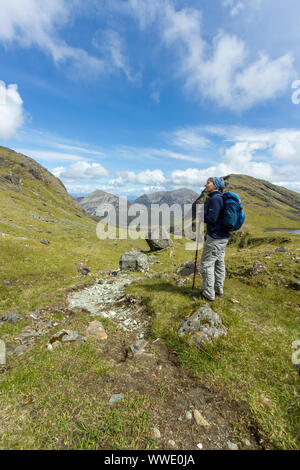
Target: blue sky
column 133, row 96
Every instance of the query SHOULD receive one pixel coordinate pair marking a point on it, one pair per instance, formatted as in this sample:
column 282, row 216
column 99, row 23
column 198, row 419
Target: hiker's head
column 214, row 184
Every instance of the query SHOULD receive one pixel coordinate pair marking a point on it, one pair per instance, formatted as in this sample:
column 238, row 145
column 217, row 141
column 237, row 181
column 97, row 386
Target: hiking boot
column 202, row 296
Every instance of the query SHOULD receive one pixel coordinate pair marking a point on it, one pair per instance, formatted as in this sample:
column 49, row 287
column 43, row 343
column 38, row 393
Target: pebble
column 247, row 442
column 199, row 419
column 156, row 433
column 116, row 398
column 188, row 415
column 172, row 443
column 232, row 446
column 200, row 446
column 96, row 330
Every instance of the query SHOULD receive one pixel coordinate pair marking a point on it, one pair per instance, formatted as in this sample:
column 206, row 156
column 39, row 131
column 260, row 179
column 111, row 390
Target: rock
column 247, row 442
column 257, row 268
column 134, row 261
column 279, row 265
column 138, row 347
column 116, row 398
column 96, row 330
column 172, row 443
column 65, row 336
column 199, row 419
column 83, row 269
column 200, row 446
column 2, row 353
column 295, row 285
column 7, row 283
column 188, row 415
column 158, row 239
column 282, row 249
column 156, row 433
column 11, row 317
column 45, row 241
column 20, row 349
column 205, row 324
column 187, row 268
column 232, row 446
column 234, row 301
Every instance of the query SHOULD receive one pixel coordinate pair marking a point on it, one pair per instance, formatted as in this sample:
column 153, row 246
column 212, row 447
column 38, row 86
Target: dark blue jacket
column 213, row 212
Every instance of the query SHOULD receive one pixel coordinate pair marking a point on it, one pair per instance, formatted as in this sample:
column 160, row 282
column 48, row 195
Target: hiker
column 212, row 262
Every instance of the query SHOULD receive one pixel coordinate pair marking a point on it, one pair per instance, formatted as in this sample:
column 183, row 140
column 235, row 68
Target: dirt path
column 156, row 373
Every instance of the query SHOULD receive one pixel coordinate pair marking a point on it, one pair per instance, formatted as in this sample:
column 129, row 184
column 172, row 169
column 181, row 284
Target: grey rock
column 116, row 397
column 134, row 261
column 282, row 249
column 83, row 269
column 257, row 268
column 11, row 317
column 20, row 349
column 67, row 336
column 187, row 268
column 295, row 285
column 232, row 446
column 45, row 241
column 159, row 239
column 204, row 324
column 6, row 283
column 138, row 347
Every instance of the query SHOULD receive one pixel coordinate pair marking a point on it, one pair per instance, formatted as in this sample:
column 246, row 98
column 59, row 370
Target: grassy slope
column 53, row 400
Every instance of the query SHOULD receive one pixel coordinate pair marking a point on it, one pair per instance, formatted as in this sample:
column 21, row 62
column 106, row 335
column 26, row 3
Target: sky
column 137, row 96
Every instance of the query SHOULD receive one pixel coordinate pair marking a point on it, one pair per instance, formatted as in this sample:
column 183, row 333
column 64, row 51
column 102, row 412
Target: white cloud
column 148, row 177
column 32, row 23
column 81, row 171
column 48, row 155
column 11, row 110
column 235, row 6
column 221, row 71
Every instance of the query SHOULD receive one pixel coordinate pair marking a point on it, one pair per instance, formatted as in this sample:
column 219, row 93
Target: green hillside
column 59, row 399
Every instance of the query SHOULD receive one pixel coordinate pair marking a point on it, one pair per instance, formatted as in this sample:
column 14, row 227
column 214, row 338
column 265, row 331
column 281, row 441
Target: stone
column 134, row 261
column 282, row 249
column 45, row 241
column 7, row 283
column 257, row 268
column 138, row 347
column 11, row 317
column 187, row 268
column 2, row 353
column 295, row 285
column 204, row 324
column 65, row 336
column 200, row 446
column 199, row 419
column 247, row 442
column 172, row 443
column 20, row 349
column 188, row 415
column 232, row 446
column 156, row 433
column 158, row 239
column 96, row 330
column 116, row 398
column 83, row 269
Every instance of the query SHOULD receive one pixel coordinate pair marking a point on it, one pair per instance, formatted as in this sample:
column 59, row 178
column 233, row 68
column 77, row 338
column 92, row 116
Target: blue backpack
column 233, row 214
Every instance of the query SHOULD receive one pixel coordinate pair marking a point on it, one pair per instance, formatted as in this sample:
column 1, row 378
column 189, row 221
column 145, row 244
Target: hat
column 219, row 183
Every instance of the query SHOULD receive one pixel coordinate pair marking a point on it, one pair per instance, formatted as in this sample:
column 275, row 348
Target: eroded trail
column 184, row 414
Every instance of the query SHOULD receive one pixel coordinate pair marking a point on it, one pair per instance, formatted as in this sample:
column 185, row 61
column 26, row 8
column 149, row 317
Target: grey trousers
column 213, row 266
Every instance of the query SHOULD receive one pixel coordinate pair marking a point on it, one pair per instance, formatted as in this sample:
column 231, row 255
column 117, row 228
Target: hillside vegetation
column 58, row 400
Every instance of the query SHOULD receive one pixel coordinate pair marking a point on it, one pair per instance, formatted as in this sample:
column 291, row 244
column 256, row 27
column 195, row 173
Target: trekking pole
column 196, row 255
column 197, row 243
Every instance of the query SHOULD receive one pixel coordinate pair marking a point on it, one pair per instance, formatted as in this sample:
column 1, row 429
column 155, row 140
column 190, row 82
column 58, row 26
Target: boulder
column 96, row 330
column 134, row 261
column 11, row 317
column 158, row 239
column 204, row 324
column 257, row 268
column 187, row 268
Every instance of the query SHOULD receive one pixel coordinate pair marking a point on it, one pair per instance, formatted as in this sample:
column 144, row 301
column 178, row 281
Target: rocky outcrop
column 134, row 261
